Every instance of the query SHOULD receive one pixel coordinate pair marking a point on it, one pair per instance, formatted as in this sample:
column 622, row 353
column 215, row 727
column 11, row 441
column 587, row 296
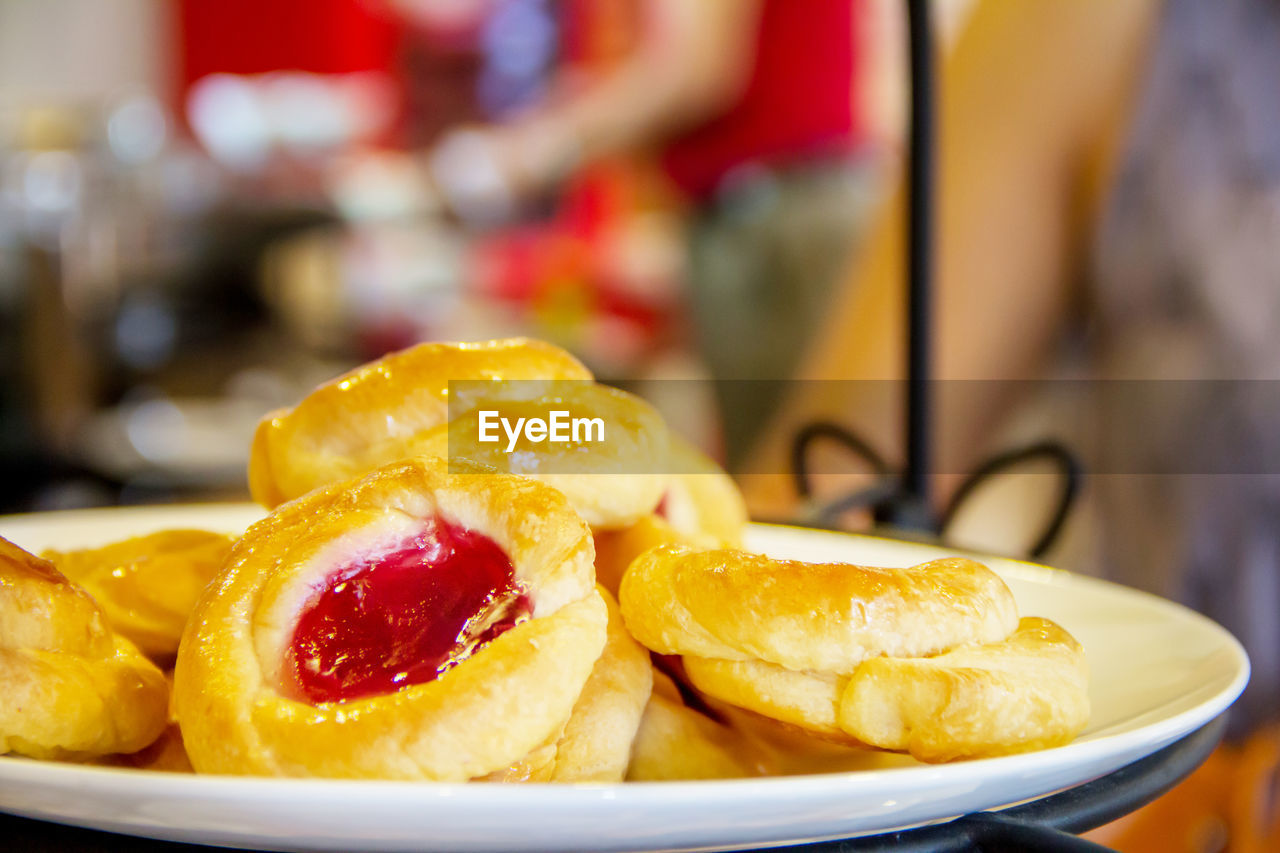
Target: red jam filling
column 406, row 615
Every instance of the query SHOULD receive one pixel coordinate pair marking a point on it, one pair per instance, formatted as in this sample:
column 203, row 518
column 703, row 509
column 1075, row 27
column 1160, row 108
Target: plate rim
column 225, row 788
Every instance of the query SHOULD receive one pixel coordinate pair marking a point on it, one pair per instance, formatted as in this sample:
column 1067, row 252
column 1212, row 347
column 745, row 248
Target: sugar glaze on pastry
column 379, row 412
column 147, row 585
column 73, row 688
column 238, row 697
column 932, row 659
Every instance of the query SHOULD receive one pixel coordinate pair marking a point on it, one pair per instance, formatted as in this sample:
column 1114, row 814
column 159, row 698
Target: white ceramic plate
column 1159, row 672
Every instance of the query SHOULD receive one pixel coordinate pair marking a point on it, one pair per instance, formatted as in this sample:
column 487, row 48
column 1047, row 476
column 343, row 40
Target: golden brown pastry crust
column 493, row 709
column 738, row 606
column 148, row 585
column 611, row 483
column 701, row 500
column 376, row 413
column 925, row 660
column 166, row 754
column 596, row 744
column 615, row 549
column 1029, row 691
column 677, row 742
column 793, row 750
column 72, row 688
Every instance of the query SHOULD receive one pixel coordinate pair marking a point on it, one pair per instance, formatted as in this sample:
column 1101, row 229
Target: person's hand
column 484, row 173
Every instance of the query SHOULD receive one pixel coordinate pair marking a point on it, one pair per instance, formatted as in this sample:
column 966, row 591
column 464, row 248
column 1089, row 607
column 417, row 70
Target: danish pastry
column 817, row 646
column 1029, row 691
column 607, row 468
column 615, row 549
column 701, row 506
column 72, row 687
column 678, row 742
column 148, row 585
column 378, row 413
column 413, row 624
column 701, row 500
column 595, row 745
column 165, row 754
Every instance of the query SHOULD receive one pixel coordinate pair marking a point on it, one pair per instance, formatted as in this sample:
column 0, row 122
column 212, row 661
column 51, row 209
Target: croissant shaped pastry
column 148, row 585
column 612, row 476
column 380, row 412
column 700, row 507
column 701, row 500
column 677, row 742
column 412, row 624
column 931, row 659
column 596, row 743
column 72, row 687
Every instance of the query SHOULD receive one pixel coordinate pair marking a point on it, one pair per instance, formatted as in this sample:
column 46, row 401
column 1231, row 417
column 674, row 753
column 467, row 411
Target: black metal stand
column 1046, row 824
column 902, row 502
column 910, row 508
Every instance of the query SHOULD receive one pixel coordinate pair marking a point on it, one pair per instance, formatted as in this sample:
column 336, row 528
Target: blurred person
column 1109, row 206
column 750, row 107
column 1109, row 196
column 1126, row 207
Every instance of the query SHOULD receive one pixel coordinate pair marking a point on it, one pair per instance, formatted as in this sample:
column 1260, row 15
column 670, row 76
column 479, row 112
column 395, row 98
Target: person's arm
column 1028, row 96
column 691, row 61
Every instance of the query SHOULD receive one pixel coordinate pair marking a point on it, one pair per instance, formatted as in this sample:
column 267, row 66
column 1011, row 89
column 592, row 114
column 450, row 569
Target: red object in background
column 798, row 103
column 254, row 37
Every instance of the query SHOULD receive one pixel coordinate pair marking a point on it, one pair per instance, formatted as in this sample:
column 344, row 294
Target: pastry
column 166, row 754
column 610, row 467
column 595, row 744
column 378, row 413
column 1028, row 691
column 800, row 642
column 147, row 585
column 676, row 742
column 412, row 624
column 792, row 751
column 701, row 507
column 615, row 549
column 701, row 500
column 72, row 687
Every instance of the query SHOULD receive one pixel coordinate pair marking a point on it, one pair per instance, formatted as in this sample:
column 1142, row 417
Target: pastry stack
column 422, row 602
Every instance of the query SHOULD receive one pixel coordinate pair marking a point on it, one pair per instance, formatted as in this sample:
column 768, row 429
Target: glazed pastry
column 148, row 585
column 610, row 482
column 701, row 500
column 792, row 751
column 1029, row 691
column 413, row 624
column 793, row 641
column 678, row 742
column 537, row 766
column 701, row 507
column 615, row 549
column 378, row 413
column 72, row 687
column 595, row 745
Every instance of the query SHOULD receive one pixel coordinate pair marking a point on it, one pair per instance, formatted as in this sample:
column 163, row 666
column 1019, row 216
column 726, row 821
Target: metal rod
column 920, row 185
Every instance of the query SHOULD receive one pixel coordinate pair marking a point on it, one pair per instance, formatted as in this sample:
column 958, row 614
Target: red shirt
column 798, row 103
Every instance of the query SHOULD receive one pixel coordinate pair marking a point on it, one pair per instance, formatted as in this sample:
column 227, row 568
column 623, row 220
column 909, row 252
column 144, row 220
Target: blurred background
column 208, row 206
